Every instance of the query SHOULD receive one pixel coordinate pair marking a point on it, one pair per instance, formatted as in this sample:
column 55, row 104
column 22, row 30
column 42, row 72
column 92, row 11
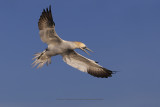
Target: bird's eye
column 84, row 47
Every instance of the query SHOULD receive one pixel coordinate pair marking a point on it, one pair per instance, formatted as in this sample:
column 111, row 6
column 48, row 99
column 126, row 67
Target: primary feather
column 84, row 64
column 47, row 28
column 58, row 46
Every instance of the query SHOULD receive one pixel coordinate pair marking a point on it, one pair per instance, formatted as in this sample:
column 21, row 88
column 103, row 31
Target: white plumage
column 58, row 46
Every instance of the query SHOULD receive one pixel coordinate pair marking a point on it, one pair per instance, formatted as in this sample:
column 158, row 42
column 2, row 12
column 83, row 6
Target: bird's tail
column 41, row 59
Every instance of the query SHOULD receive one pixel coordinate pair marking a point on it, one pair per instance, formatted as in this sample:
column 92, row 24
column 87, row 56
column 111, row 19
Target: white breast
column 55, row 49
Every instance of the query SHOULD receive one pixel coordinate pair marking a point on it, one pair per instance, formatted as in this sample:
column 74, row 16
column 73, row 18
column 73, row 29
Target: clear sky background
column 124, row 35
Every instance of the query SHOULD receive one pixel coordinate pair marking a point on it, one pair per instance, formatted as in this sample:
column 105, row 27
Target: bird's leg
column 41, row 59
column 42, row 53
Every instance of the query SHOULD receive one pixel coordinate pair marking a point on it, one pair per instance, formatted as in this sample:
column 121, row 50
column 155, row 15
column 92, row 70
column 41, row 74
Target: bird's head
column 82, row 46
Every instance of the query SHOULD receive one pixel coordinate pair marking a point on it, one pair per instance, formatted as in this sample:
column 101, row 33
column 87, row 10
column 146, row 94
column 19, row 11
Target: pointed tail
column 41, row 59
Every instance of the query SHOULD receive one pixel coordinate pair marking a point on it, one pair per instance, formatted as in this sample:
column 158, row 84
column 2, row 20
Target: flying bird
column 58, row 46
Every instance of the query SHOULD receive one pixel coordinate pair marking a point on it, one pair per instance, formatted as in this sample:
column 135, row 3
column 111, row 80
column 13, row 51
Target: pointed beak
column 86, row 49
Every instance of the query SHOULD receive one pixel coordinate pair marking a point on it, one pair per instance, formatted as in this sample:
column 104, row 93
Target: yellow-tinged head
column 82, row 46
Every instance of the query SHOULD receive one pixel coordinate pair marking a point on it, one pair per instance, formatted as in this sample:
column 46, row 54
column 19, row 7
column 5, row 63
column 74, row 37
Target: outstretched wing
column 47, row 28
column 78, row 61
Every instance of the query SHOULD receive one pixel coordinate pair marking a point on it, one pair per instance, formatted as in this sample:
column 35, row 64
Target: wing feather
column 47, row 28
column 78, row 61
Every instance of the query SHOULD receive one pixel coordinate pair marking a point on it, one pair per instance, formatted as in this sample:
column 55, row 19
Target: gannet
column 58, row 46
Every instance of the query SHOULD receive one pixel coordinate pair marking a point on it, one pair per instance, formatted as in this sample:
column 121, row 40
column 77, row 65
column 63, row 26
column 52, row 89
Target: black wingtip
column 43, row 10
column 47, row 10
column 114, row 72
column 50, row 8
column 46, row 19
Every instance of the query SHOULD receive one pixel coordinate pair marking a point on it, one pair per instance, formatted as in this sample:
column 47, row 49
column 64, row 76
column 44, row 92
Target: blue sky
column 124, row 35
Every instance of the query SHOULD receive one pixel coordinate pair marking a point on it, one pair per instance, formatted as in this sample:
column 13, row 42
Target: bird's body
column 58, row 46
